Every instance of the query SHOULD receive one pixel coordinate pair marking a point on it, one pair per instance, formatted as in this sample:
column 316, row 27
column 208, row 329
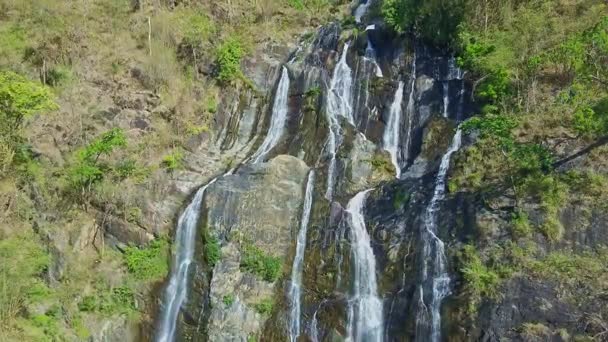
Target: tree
column 20, row 98
column 435, row 21
column 87, row 169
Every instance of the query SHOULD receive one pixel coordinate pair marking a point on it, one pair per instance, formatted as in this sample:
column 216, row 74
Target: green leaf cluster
column 148, row 263
column 87, row 168
column 254, row 260
column 118, row 300
column 228, row 58
column 434, row 20
column 213, row 250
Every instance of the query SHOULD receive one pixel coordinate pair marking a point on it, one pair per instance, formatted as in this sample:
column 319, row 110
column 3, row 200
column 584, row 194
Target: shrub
column 401, row 198
column 213, row 251
column 521, row 224
column 19, row 278
column 265, row 306
column 173, row 161
column 381, row 164
column 87, row 169
column 119, row 300
column 149, row 263
column 254, row 260
column 21, row 98
column 228, row 60
column 228, row 300
column 480, row 280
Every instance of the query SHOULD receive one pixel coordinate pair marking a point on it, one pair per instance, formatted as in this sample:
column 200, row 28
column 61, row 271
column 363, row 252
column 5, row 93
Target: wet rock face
column 257, row 206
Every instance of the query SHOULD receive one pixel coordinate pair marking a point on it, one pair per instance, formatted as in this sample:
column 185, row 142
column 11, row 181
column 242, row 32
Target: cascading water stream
column 361, row 10
column 365, row 321
column 339, row 103
column 409, row 112
column 176, row 291
column 453, row 73
column 390, row 139
column 370, row 54
column 435, row 280
column 277, row 121
column 295, row 290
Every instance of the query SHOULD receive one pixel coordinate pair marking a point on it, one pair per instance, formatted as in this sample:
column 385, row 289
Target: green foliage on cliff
column 148, row 263
column 254, row 260
column 481, row 281
column 228, row 58
column 23, row 262
column 20, row 99
column 173, row 161
column 119, row 300
column 213, row 249
column 88, row 168
column 434, row 20
column 265, row 306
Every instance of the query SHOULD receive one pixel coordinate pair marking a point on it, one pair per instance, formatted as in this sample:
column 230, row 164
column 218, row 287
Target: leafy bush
column 521, row 224
column 228, row 300
column 401, row 198
column 435, row 21
column 480, row 280
column 213, row 251
column 19, row 278
column 21, row 98
column 228, row 58
column 149, row 263
column 265, row 306
column 87, row 169
column 119, row 300
column 265, row 266
column 173, row 161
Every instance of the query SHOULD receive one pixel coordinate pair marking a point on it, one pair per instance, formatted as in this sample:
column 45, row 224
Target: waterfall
column 278, row 119
column 370, row 55
column 361, row 10
column 453, row 73
column 295, row 290
column 390, row 139
column 340, row 97
column 339, row 102
column 434, row 269
column 446, row 98
column 365, row 321
column 411, row 106
column 175, row 293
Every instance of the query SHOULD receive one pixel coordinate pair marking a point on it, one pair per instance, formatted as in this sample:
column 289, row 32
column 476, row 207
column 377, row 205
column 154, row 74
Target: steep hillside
column 303, row 170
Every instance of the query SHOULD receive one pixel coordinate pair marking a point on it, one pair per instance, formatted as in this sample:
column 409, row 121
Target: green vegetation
column 381, row 164
column 402, row 198
column 213, row 250
column 174, row 161
column 228, row 59
column 119, row 300
column 20, row 281
column 436, row 21
column 265, row 306
column 148, row 263
column 481, row 281
column 228, row 300
column 88, row 169
column 66, row 170
column 265, row 266
column 20, row 99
